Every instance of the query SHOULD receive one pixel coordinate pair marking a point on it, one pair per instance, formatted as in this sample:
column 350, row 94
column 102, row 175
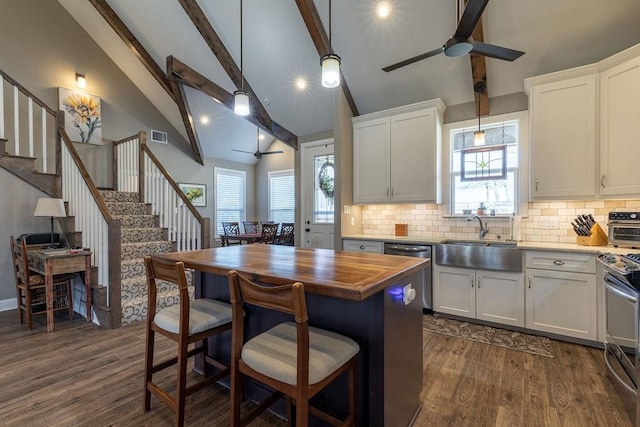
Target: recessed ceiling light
column 383, row 9
column 204, row 120
column 261, row 136
column 301, row 83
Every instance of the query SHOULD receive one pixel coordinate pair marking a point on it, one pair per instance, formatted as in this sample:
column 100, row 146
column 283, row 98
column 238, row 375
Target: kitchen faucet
column 483, row 226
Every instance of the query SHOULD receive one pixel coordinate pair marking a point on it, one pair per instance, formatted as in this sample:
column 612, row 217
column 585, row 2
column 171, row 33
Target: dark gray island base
column 371, row 311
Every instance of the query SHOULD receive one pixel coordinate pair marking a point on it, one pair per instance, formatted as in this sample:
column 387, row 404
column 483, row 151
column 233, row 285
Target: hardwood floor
column 83, row 375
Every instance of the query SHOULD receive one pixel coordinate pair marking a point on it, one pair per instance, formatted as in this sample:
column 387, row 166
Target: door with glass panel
column 318, row 185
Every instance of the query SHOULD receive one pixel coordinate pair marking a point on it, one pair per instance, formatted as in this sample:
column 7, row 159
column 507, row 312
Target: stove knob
column 633, row 216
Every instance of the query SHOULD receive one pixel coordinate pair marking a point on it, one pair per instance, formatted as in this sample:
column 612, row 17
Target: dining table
column 374, row 299
column 244, row 237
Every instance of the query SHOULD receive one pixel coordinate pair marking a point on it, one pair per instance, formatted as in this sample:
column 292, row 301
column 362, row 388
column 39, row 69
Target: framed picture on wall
column 82, row 116
column 196, row 193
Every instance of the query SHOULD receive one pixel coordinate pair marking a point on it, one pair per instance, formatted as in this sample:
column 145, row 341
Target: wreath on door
column 325, row 179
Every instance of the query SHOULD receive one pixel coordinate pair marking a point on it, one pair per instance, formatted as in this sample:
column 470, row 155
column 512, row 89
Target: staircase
column 140, row 236
column 119, row 230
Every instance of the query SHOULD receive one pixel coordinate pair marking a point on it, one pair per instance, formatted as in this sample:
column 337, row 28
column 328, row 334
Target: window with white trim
column 282, row 198
column 491, row 171
column 230, row 185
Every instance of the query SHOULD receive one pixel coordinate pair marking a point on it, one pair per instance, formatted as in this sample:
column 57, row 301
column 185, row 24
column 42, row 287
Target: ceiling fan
column 461, row 42
column 258, row 154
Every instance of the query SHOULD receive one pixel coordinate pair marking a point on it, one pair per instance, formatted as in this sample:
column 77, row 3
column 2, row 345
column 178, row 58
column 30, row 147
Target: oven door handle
column 618, row 288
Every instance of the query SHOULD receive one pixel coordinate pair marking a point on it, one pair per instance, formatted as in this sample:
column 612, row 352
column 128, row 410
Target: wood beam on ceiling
column 174, row 91
column 187, row 118
column 132, row 42
column 187, row 75
column 320, row 39
column 479, row 72
column 206, row 30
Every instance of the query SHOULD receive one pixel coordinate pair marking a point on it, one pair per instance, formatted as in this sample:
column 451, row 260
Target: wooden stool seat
column 273, row 353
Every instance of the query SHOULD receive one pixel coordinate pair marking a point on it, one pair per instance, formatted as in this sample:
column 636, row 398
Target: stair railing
column 41, row 124
column 137, row 169
column 100, row 232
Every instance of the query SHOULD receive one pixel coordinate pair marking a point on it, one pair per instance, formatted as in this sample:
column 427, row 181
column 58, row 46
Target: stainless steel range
column 622, row 319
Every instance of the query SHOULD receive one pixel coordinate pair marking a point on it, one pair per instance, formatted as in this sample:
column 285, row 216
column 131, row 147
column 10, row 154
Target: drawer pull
column 558, row 262
column 529, row 282
column 362, row 247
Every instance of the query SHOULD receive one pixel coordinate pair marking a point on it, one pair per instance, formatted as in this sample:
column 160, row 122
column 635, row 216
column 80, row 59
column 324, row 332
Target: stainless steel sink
column 487, row 255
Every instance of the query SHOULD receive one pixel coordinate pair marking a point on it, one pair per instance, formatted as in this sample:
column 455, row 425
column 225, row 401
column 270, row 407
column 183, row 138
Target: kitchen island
column 359, row 295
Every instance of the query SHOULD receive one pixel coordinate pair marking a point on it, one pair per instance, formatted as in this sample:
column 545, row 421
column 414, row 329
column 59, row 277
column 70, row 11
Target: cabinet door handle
column 387, row 191
column 392, row 191
column 529, row 282
column 471, row 277
column 602, row 181
column 536, row 184
column 362, row 247
column 558, row 262
column 478, row 284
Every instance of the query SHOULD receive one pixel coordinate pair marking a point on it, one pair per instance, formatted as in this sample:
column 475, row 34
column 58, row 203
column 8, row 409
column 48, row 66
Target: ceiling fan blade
column 470, row 18
column 273, row 152
column 494, row 51
column 417, row 58
column 242, row 151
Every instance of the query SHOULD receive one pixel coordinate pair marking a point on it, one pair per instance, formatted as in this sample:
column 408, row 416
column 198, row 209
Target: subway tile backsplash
column 429, row 220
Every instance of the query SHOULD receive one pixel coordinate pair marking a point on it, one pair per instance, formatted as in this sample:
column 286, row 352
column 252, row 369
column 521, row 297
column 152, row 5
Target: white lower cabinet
column 494, row 296
column 562, row 303
column 562, row 293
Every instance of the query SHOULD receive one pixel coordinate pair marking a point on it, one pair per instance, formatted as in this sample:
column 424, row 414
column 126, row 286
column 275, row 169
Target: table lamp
column 50, row 207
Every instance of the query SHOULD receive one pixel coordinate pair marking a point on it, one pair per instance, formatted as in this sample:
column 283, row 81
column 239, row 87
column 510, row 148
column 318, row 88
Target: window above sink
column 496, row 195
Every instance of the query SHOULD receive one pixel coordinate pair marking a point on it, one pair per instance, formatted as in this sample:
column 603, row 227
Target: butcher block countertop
column 345, row 275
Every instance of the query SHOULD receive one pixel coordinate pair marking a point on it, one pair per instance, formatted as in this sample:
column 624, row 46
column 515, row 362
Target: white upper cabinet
column 396, row 154
column 620, row 129
column 581, row 112
column 563, row 138
column 371, row 161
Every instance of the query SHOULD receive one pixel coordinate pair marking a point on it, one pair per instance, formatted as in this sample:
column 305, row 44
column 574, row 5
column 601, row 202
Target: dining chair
column 230, row 229
column 293, row 359
column 251, row 227
column 269, row 233
column 185, row 323
column 31, row 287
column 286, row 234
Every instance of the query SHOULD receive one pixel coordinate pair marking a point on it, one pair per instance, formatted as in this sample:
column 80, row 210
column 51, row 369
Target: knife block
column 597, row 238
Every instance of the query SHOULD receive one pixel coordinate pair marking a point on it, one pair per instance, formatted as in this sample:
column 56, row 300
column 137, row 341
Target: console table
column 50, row 262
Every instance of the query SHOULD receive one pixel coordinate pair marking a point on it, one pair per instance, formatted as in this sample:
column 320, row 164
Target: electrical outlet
column 549, row 223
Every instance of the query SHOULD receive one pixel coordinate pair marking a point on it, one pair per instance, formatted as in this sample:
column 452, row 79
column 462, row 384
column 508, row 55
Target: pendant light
column 241, row 97
column 478, row 136
column 330, row 63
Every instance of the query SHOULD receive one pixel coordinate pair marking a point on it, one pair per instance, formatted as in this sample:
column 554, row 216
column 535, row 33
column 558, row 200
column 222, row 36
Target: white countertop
column 561, row 247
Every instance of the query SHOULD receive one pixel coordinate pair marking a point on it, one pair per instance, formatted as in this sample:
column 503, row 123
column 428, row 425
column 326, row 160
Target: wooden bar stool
column 294, row 359
column 185, row 323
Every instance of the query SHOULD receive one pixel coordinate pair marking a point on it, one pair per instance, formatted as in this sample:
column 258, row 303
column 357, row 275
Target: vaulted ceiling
column 279, row 46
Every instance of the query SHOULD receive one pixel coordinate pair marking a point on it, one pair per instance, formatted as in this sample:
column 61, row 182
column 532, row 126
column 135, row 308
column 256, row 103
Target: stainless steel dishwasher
column 419, row 251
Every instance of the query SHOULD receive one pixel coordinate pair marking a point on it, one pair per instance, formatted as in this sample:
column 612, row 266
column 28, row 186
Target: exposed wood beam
column 479, row 72
column 187, row 75
column 132, row 42
column 187, row 119
column 320, row 39
column 154, row 69
column 202, row 24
